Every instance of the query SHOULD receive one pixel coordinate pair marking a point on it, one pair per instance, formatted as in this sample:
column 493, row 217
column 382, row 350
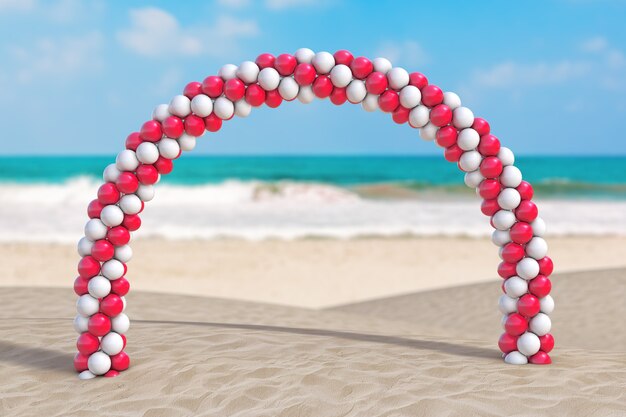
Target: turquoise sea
column 561, row 177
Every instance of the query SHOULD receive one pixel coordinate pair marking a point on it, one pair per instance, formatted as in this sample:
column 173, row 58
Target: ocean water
column 206, row 197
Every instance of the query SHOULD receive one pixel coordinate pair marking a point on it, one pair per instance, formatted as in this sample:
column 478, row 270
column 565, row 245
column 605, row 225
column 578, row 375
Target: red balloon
column 273, row 99
column 108, row 194
column 151, row 131
column 111, row 305
column 304, row 74
column 99, row 324
column 376, row 83
column 547, row 342
column 213, row 86
column 515, row 324
column 453, row 153
column 234, row 89
column 94, row 209
column 120, row 362
column 418, row 79
column 102, row 250
column 525, row 190
column 526, row 211
column 441, row 115
column 265, row 60
column 343, row 57
column 521, row 232
column 285, row 64
column 88, row 267
column 361, row 67
column 120, row 286
column 491, row 167
column 164, row 165
column 132, row 222
column 388, row 101
column 118, row 235
column 192, row 89
column 401, row 115
column 489, row 145
column 489, row 207
column 446, row 136
column 255, row 96
column 528, row 305
column 540, row 286
column 80, row 285
column 338, row 96
column 489, row 188
column 512, row 252
column 507, row 270
column 147, row 174
column 87, row 343
column 80, row 362
column 173, row 127
column 481, row 126
column 322, row 86
column 212, row 123
column 133, row 141
column 507, row 343
column 545, row 266
column 432, row 95
column 194, row 125
column 540, row 358
column 112, row 373
column 127, row 183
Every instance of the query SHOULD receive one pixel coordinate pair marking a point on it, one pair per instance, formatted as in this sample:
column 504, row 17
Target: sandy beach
column 378, row 327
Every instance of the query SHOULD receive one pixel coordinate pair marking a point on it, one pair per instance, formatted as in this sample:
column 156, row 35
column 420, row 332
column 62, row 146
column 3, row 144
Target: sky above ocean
column 78, row 76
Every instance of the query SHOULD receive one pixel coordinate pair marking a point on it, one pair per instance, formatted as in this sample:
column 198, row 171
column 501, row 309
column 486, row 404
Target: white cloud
column 155, row 33
column 595, row 44
column 17, row 5
column 511, row 74
column 407, row 52
column 59, row 58
column 64, row 11
column 288, row 4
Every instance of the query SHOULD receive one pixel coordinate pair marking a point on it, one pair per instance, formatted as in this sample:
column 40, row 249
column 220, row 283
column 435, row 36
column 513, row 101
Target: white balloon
column 123, row 253
column 451, row 100
column 169, row 148
column 546, row 304
column 537, row 248
column 468, row 139
column 228, row 72
column 147, row 153
column 84, row 246
column 503, row 219
column 470, row 161
column 528, row 344
column 382, row 65
column 540, row 324
column 462, row 117
column 86, row 305
column 95, row 230
column 81, row 324
column 145, row 192
column 202, row 105
column 161, row 112
column 539, row 227
column 515, row 358
column 527, row 268
column 120, row 323
column 99, row 363
column 99, row 287
column 507, row 305
column 370, row 102
column 511, row 176
column 112, row 343
column 111, row 173
column 304, row 55
column 112, row 215
column 356, row 91
column 112, row 269
column 500, row 237
column 340, row 75
column 473, row 179
column 505, row 155
column 306, row 94
column 126, row 160
column 180, row 106
column 515, row 287
column 419, row 116
column 288, row 88
column 224, row 108
column 509, row 198
column 398, row 78
column 187, row 142
column 429, row 132
column 248, row 72
column 242, row 109
column 86, row 375
column 269, row 79
column 410, row 96
column 130, row 204
column 323, row 62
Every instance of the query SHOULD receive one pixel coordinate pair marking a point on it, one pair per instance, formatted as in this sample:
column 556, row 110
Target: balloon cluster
column 305, row 75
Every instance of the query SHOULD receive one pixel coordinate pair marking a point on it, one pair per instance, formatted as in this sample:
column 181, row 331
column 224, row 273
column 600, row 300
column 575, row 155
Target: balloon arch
column 305, row 75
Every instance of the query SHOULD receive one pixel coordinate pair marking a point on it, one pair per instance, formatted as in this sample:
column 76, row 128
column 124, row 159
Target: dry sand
column 428, row 353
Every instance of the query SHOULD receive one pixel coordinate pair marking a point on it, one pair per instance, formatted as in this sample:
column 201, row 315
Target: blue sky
column 77, row 77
